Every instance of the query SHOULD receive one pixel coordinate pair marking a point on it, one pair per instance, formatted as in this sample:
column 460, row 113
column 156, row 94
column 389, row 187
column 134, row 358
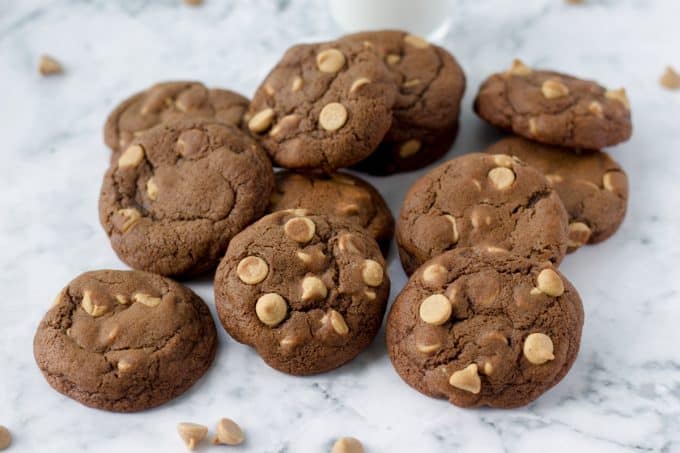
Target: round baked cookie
column 174, row 198
column 592, row 186
column 323, row 106
column 308, row 292
column 484, row 328
column 553, row 108
column 170, row 100
column 341, row 195
column 481, row 199
column 425, row 115
column 125, row 341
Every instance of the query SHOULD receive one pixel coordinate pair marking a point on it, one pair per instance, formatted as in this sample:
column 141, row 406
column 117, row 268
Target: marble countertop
column 623, row 393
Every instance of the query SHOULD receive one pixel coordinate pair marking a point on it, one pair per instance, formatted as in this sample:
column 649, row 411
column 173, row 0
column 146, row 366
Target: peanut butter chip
column 596, row 109
column 90, row 307
column 131, row 157
column 347, row 243
column 313, row 289
column 618, row 95
column 670, row 79
column 333, row 116
column 151, row 189
column 503, row 160
column 358, row 83
column 410, row 83
column 579, row 234
column 554, row 178
column 393, row 59
column 296, row 84
column 538, row 348
column 370, row 294
column 49, row 66
column 5, row 438
column 533, row 126
column 609, row 181
column 285, row 124
column 435, row 309
column 330, row 60
column 372, row 273
column 553, row 89
column 548, row 282
column 416, row 41
column 123, row 365
column 131, row 216
column 454, row 228
column 519, row 69
column 501, row 177
column 467, row 379
column 347, row 445
column 434, row 275
column 409, row 148
column 271, row 309
column 192, row 434
column 261, row 121
column 338, row 323
column 146, row 299
column 228, row 433
column 300, row 229
column 251, row 270
column 427, row 348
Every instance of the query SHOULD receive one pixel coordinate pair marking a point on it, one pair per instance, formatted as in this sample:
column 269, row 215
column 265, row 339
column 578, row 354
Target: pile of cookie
column 300, row 274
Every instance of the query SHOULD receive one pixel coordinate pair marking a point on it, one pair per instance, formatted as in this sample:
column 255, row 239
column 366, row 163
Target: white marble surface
column 623, row 393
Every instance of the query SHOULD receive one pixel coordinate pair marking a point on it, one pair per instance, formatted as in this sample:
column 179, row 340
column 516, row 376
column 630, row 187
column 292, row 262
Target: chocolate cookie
column 425, row 115
column 553, row 108
column 478, row 199
column 341, row 195
column 323, row 106
column 484, row 328
column 175, row 197
column 308, row 292
column 125, row 341
column 170, row 100
column 592, row 186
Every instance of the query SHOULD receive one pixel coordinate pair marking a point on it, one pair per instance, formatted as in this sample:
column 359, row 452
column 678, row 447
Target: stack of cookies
column 486, row 318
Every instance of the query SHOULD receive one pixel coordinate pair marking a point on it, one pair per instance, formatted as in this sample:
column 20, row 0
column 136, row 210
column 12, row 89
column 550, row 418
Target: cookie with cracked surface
column 425, row 114
column 592, row 186
column 170, row 100
column 125, row 341
column 341, row 195
column 308, row 292
column 325, row 106
column 554, row 108
column 484, row 328
column 174, row 198
column 479, row 199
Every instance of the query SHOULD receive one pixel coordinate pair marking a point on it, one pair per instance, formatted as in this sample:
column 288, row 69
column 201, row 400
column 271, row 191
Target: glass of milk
column 428, row 18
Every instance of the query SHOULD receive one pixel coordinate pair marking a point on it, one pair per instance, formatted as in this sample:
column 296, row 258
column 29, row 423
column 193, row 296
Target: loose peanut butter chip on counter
column 519, row 68
column 548, row 282
column 333, row 116
column 618, row 95
column 372, row 273
column 435, row 309
column 538, row 348
column 131, row 157
column 579, row 234
column 467, row 379
column 261, row 121
column 49, row 66
column 347, row 445
column 90, row 307
column 434, row 275
column 670, row 79
column 193, row 2
column 454, row 228
column 146, row 299
column 416, row 41
column 358, row 83
column 501, row 177
column 393, row 59
column 5, row 438
column 152, row 189
column 228, row 433
column 251, row 270
column 330, row 60
column 338, row 322
column 192, row 434
column 554, row 89
column 409, row 148
column 313, row 289
column 271, row 309
column 300, row 229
